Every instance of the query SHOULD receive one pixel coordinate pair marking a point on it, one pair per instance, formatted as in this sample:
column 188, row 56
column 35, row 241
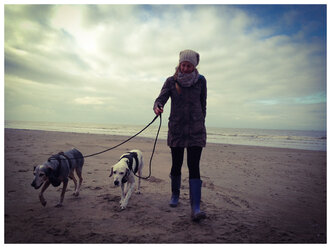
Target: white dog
column 124, row 172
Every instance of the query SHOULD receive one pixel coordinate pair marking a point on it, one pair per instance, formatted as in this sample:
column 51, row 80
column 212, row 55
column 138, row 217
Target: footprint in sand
column 234, row 200
column 93, row 187
column 110, row 198
column 155, row 180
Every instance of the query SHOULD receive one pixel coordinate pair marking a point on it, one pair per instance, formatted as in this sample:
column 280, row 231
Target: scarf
column 187, row 79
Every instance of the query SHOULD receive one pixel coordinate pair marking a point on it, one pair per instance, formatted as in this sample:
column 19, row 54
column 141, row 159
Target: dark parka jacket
column 188, row 112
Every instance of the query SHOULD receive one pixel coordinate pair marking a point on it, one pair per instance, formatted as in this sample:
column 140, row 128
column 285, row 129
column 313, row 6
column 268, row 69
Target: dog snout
column 116, row 183
column 33, row 184
column 36, row 185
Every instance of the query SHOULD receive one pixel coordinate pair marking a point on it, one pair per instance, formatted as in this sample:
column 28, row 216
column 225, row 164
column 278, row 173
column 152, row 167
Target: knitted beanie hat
column 190, row 56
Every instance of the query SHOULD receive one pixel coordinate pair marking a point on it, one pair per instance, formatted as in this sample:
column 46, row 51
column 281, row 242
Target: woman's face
column 186, row 67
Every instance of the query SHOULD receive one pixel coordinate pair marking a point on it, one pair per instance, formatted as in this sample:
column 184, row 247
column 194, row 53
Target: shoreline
column 124, row 137
column 250, row 194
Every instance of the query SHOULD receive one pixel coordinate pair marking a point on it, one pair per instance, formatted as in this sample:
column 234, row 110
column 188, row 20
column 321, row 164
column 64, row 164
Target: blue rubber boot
column 175, row 189
column 195, row 197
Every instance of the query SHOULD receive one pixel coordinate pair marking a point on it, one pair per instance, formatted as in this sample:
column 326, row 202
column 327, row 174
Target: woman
column 188, row 92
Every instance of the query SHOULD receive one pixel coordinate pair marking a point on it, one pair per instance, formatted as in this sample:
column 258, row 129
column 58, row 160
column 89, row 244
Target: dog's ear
column 34, row 168
column 111, row 172
column 49, row 171
column 127, row 172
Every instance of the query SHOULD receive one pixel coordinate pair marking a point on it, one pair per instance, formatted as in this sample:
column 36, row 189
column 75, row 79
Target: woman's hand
column 158, row 110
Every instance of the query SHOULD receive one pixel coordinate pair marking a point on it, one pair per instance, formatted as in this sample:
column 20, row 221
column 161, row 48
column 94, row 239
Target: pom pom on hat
column 190, row 56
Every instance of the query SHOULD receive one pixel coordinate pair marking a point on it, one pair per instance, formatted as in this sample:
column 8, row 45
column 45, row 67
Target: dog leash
column 111, row 148
column 150, row 160
column 125, row 141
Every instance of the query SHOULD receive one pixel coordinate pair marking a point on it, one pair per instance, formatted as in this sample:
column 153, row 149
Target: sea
column 297, row 139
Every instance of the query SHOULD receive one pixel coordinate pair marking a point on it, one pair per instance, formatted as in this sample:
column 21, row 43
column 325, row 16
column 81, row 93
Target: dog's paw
column 123, row 206
column 42, row 200
column 138, row 192
column 59, row 205
column 76, row 194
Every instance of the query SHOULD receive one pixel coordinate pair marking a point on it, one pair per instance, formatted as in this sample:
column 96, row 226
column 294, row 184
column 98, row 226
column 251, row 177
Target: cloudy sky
column 265, row 65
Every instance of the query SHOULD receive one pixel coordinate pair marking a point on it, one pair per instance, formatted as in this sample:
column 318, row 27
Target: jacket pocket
column 197, row 124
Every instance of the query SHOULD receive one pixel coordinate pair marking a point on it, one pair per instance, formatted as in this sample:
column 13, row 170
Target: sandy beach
column 250, row 194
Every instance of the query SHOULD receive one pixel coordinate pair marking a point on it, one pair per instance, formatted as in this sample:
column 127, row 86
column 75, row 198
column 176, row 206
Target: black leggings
column 193, row 161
